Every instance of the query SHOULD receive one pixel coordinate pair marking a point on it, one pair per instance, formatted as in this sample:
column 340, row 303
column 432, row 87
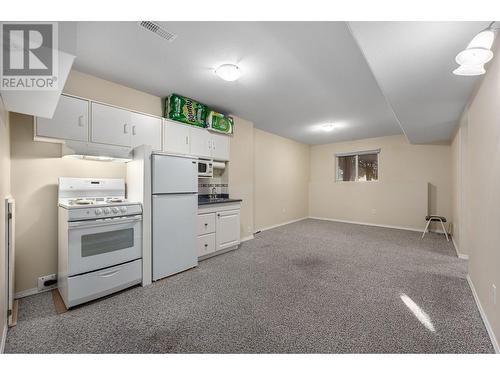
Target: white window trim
column 356, row 154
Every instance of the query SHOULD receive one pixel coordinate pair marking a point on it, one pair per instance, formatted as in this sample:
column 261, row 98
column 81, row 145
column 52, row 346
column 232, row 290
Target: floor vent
column 158, row 30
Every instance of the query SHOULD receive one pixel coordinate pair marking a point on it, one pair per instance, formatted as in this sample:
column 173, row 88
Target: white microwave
column 205, row 168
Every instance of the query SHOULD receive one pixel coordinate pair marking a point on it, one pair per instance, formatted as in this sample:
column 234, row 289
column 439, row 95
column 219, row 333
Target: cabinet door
column 175, row 138
column 110, row 125
column 227, row 229
column 70, row 120
column 200, row 142
column 220, row 146
column 146, row 130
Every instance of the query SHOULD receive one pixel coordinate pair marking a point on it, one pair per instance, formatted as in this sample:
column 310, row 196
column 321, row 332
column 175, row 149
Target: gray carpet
column 308, row 287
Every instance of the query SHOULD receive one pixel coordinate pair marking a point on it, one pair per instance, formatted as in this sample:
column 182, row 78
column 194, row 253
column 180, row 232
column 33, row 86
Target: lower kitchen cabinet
column 206, row 244
column 227, row 229
column 218, row 228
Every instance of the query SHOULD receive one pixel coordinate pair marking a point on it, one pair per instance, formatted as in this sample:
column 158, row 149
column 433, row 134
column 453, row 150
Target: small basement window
column 357, row 166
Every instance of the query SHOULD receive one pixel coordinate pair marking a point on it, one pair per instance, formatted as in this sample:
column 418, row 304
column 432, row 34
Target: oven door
column 96, row 244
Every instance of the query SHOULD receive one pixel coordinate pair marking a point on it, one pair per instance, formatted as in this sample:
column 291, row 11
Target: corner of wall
column 4, row 193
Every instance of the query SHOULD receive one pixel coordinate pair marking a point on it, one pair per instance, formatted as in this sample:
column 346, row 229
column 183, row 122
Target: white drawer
column 206, row 224
column 206, row 244
column 97, row 284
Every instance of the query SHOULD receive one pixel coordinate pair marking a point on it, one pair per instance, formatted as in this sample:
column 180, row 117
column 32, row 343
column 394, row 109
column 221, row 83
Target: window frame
column 356, row 154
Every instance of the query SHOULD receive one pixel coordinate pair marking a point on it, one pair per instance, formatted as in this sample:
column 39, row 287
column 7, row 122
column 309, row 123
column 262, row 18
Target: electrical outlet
column 47, row 282
column 494, row 293
column 374, row 211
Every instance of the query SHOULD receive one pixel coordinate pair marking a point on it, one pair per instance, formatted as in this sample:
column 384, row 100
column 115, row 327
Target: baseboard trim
column 4, row 338
column 248, row 238
column 369, row 224
column 493, row 338
column 219, row 252
column 461, row 256
column 281, row 224
column 31, row 292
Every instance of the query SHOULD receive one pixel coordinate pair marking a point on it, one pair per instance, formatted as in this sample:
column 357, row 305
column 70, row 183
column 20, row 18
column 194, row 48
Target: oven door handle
column 104, row 222
column 111, row 273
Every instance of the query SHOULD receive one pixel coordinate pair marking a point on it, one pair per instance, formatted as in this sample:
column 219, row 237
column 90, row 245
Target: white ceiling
column 413, row 63
column 296, row 75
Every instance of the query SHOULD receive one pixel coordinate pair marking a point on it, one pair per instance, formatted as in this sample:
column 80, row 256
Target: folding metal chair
column 431, row 218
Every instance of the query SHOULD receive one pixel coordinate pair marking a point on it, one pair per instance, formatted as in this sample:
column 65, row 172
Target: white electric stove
column 100, row 239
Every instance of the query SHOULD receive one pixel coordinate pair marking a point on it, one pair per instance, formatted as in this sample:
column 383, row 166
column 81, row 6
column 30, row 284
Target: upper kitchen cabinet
column 111, row 125
column 190, row 140
column 220, row 146
column 70, row 121
column 146, row 130
column 175, row 138
column 200, row 142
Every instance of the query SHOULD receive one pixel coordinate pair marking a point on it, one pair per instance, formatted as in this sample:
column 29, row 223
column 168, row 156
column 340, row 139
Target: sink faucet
column 214, row 193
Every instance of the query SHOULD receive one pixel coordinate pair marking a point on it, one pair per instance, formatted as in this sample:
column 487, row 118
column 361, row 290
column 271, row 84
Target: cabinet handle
column 125, row 129
column 80, row 121
column 218, row 215
column 206, row 245
column 133, row 130
column 187, row 139
column 206, row 224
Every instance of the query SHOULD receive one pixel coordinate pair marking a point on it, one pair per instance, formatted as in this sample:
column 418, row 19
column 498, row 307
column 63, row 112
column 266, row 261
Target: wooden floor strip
column 58, row 302
column 15, row 309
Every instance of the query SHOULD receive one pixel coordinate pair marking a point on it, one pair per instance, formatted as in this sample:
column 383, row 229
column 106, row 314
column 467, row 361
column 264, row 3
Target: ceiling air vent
column 158, row 30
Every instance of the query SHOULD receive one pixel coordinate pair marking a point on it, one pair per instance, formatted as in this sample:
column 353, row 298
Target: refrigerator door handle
column 155, row 195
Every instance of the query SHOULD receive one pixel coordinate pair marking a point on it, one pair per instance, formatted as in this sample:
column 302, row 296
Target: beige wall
column 455, row 194
column 87, row 86
column 479, row 140
column 458, row 188
column 4, row 193
column 241, row 172
column 36, row 167
column 281, row 179
column 399, row 198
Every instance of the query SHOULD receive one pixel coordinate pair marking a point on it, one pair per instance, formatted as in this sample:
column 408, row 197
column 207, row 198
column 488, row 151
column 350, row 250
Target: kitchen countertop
column 219, row 199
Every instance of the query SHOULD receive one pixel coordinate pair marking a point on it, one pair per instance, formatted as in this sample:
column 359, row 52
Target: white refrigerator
column 174, row 213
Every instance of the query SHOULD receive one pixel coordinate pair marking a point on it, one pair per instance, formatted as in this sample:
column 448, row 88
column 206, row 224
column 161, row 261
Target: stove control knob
column 115, row 210
column 107, row 211
column 98, row 211
column 123, row 209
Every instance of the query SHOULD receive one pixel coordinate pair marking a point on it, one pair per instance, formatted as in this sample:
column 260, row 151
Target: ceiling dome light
column 469, row 70
column 328, row 127
column 228, row 72
column 477, row 53
column 483, row 40
column 474, row 56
